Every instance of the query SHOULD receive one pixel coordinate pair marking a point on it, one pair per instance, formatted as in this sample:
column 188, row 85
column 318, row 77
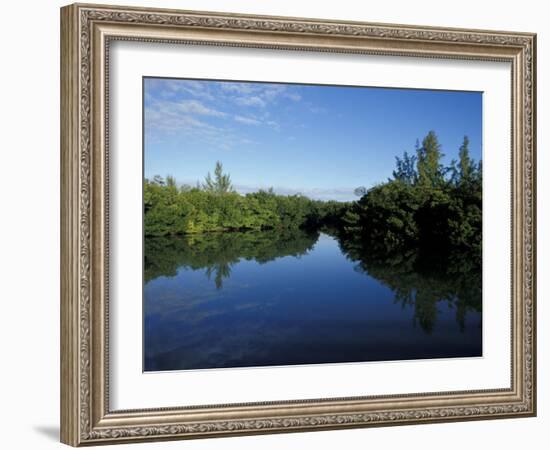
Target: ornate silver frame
column 86, row 32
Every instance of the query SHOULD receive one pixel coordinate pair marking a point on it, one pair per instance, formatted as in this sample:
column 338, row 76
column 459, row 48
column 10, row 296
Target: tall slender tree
column 466, row 165
column 220, row 183
column 170, row 181
column 430, row 170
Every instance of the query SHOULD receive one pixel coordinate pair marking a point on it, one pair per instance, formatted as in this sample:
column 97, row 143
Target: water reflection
column 272, row 298
column 218, row 252
column 422, row 280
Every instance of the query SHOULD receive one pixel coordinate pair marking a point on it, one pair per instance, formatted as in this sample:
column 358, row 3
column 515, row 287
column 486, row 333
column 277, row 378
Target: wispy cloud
column 188, row 119
column 260, row 95
column 165, row 117
column 170, row 87
column 251, row 101
column 239, row 88
column 196, row 107
column 294, row 97
column 219, row 112
column 247, row 120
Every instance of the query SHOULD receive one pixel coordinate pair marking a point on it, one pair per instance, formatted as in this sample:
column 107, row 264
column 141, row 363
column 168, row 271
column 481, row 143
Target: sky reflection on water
column 302, row 301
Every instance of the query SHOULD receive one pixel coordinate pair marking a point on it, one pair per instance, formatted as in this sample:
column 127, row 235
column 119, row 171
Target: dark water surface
column 282, row 298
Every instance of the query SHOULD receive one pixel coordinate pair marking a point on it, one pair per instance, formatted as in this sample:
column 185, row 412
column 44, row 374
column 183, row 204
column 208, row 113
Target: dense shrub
column 425, row 205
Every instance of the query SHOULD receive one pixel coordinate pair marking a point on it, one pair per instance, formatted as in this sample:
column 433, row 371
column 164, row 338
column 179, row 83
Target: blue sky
column 321, row 141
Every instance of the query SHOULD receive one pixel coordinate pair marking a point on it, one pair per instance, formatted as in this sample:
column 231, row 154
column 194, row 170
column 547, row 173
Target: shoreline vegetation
column 425, row 206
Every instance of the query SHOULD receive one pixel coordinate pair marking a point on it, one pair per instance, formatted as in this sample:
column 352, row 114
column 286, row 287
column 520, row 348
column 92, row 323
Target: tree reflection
column 423, row 280
column 418, row 279
column 219, row 252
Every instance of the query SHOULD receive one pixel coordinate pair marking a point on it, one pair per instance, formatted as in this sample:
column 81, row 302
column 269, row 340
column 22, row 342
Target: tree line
column 425, row 204
column 215, row 206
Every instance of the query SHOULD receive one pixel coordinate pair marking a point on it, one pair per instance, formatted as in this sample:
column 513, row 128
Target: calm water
column 262, row 299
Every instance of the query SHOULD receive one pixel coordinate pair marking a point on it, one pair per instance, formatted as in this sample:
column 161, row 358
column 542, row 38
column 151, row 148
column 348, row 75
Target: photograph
column 295, row 224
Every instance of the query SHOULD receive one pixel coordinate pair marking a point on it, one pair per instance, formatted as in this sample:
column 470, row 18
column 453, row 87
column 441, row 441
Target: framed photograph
column 276, row 224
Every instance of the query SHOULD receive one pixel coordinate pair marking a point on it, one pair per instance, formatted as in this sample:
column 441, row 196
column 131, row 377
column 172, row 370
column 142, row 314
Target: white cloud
column 187, row 107
column 242, row 93
column 166, row 118
column 182, row 121
column 169, row 88
column 247, row 120
column 259, row 94
column 272, row 91
column 239, row 88
column 196, row 107
column 251, row 101
column 273, row 124
column 294, row 97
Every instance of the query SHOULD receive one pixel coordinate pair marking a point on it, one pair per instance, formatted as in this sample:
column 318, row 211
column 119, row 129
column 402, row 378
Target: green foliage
column 386, row 215
column 405, row 169
column 217, row 207
column 429, row 207
column 220, row 184
column 429, row 168
column 466, row 164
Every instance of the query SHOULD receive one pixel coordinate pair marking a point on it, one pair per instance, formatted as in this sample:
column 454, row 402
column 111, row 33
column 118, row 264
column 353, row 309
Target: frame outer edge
column 534, row 262
column 69, row 311
column 79, row 390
